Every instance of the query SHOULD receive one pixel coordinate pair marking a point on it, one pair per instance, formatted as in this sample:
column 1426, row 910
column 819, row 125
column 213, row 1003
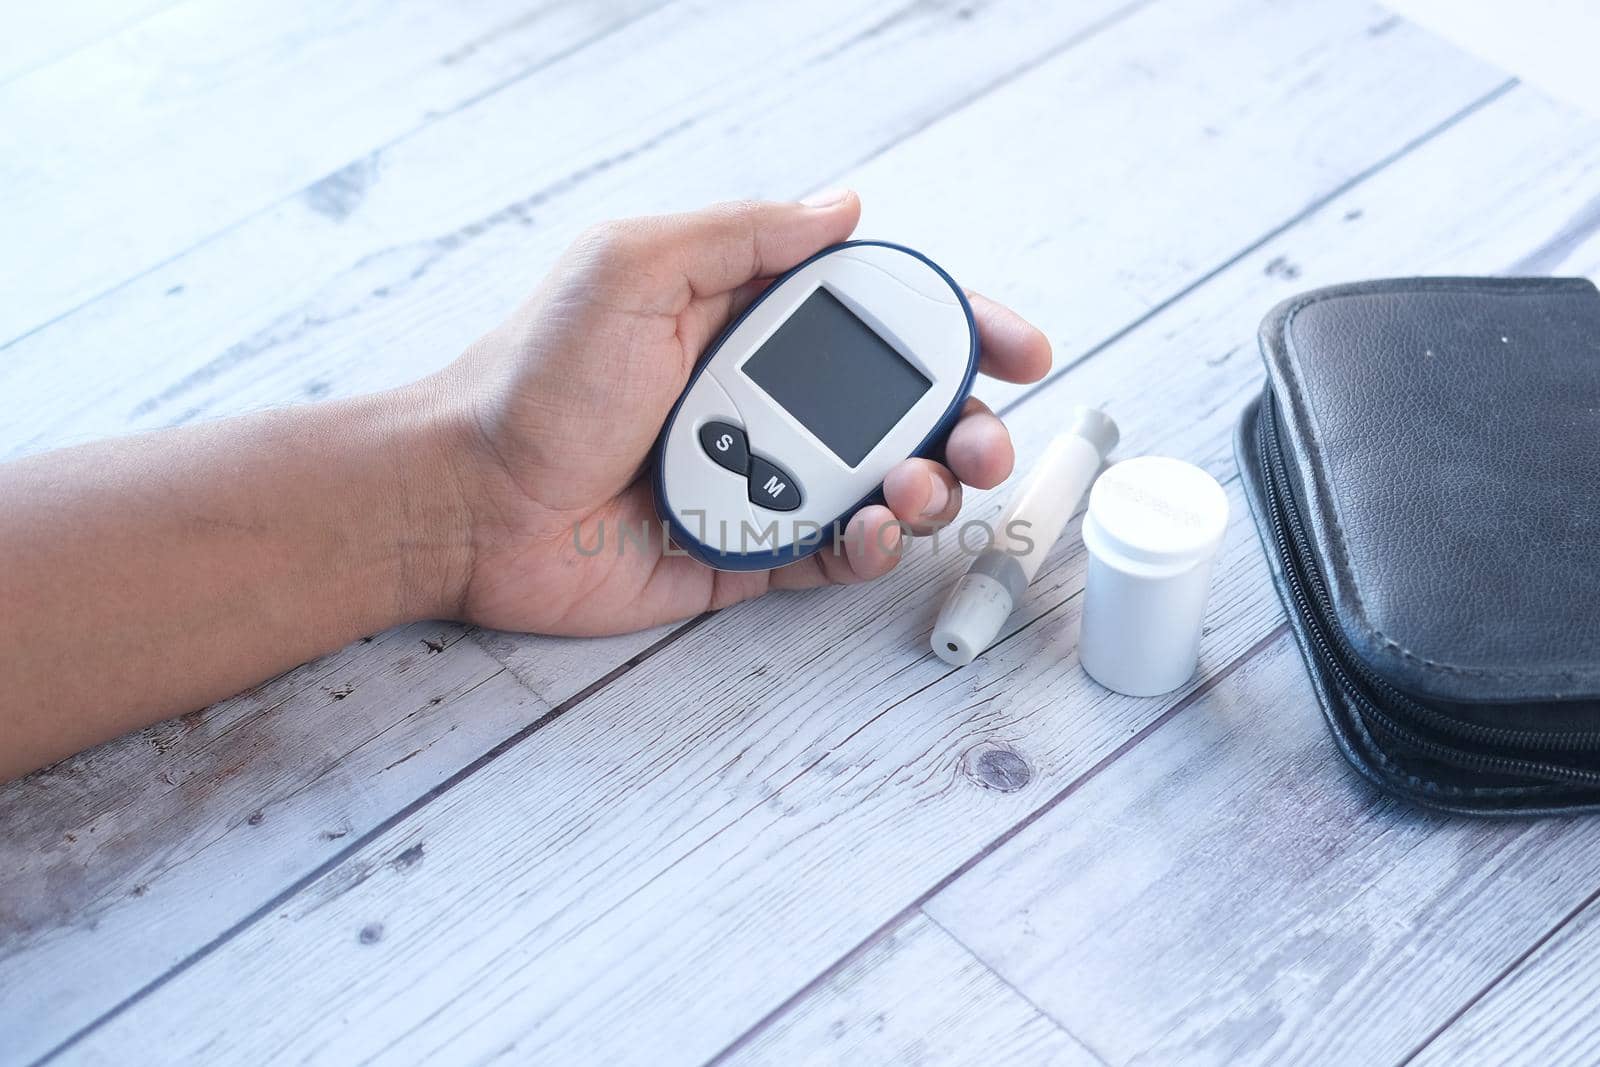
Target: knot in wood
column 998, row 768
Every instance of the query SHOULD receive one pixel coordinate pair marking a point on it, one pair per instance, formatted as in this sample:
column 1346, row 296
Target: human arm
column 150, row 575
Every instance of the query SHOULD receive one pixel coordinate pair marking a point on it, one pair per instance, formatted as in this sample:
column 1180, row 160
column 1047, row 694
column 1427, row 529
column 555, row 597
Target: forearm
column 144, row 577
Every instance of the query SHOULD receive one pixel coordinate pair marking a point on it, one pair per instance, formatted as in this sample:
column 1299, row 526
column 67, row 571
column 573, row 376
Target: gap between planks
column 1499, row 979
column 1089, row 31
column 377, row 150
column 1002, row 979
column 600, row 684
column 1082, row 35
column 910, row 910
column 358, row 842
column 1266, row 238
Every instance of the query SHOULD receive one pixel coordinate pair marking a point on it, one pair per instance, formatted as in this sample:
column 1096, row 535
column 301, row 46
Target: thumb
column 724, row 246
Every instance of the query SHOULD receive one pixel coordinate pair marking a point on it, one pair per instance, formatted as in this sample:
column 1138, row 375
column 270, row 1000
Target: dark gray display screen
column 831, row 371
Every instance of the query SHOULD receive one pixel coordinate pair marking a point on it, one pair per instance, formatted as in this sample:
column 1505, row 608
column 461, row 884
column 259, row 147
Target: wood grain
column 1230, row 892
column 443, row 232
column 120, row 862
column 142, row 144
column 917, row 997
column 664, row 868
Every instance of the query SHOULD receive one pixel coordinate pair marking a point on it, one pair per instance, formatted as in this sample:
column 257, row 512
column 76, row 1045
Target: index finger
column 1011, row 348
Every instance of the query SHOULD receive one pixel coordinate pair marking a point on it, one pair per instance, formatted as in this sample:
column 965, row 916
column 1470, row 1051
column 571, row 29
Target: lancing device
column 982, row 600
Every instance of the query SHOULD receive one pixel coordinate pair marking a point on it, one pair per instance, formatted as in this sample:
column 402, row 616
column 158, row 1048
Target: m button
column 772, row 487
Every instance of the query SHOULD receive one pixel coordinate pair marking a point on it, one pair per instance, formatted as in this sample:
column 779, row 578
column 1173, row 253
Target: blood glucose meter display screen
column 833, row 372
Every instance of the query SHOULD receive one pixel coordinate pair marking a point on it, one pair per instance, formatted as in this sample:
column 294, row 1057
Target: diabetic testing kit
column 861, row 357
column 1457, row 672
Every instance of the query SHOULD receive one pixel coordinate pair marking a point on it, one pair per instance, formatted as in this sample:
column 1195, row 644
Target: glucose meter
column 853, row 361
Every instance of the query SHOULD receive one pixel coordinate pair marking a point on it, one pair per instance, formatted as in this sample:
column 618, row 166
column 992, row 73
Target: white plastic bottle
column 1153, row 529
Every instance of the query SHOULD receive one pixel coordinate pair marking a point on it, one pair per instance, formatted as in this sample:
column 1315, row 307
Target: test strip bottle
column 1153, row 529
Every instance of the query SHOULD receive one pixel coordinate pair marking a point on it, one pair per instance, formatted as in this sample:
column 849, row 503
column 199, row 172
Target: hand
column 558, row 408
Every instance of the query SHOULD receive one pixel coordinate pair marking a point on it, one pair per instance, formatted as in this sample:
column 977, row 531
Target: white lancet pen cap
column 981, row 601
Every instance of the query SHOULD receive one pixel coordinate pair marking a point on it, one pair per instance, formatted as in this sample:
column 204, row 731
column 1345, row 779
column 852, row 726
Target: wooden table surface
column 769, row 835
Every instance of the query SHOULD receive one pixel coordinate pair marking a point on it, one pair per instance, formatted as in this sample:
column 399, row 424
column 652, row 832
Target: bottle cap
column 1156, row 511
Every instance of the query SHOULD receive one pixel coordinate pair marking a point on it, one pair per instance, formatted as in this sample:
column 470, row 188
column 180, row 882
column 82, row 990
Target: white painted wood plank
column 1546, row 1013
column 916, row 997
column 1230, row 892
column 450, row 228
column 699, row 859
column 141, row 144
column 1046, row 196
column 121, row 861
column 560, row 668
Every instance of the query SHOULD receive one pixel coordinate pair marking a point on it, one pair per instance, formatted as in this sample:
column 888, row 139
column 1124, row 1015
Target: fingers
column 1012, row 348
column 978, row 449
column 726, row 245
column 871, row 546
column 926, row 495
column 922, row 494
column 869, row 549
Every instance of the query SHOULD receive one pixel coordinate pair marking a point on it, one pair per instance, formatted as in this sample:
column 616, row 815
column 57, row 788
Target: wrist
column 425, row 447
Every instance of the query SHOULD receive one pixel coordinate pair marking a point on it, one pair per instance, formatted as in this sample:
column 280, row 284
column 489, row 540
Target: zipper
column 1425, row 730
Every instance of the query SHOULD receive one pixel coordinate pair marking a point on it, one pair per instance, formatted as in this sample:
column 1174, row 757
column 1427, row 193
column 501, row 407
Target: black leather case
column 1424, row 470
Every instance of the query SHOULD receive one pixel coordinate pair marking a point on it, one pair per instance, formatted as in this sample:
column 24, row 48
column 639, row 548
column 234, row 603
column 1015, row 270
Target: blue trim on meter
column 928, row 449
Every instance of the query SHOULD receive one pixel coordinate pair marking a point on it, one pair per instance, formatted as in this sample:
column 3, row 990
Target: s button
column 725, row 443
